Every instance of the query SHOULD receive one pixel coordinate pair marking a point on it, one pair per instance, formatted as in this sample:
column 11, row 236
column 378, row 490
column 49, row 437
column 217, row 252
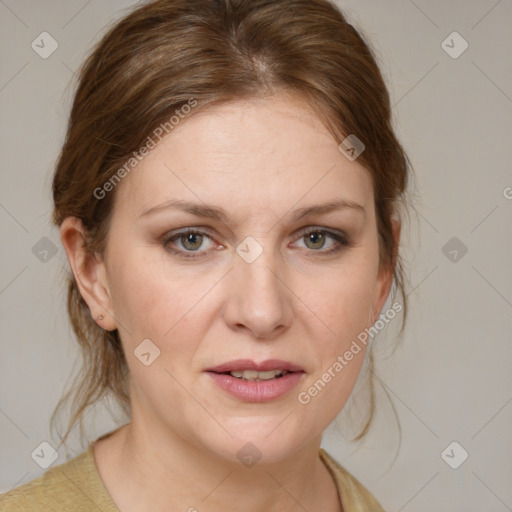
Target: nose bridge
column 260, row 275
column 258, row 298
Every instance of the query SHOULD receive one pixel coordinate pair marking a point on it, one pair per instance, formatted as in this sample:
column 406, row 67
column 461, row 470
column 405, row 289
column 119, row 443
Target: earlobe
column 89, row 271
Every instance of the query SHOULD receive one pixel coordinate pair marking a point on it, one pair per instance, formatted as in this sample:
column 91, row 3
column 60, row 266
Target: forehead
column 251, row 156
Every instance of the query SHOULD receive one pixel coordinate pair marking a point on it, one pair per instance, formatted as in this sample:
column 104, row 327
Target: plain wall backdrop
column 450, row 380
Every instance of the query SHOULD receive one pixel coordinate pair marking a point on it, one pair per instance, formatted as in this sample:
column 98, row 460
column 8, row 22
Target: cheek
column 343, row 304
column 342, row 301
column 153, row 301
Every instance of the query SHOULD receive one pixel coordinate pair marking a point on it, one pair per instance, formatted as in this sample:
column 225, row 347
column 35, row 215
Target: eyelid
column 340, row 238
column 167, row 238
column 322, row 229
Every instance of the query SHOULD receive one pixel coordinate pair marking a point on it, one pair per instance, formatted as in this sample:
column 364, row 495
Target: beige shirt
column 77, row 486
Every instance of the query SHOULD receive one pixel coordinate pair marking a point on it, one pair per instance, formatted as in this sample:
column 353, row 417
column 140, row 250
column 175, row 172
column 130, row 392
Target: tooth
column 253, row 375
column 268, row 375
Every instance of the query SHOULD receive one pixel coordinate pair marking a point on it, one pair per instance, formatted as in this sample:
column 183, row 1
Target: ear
column 384, row 279
column 89, row 271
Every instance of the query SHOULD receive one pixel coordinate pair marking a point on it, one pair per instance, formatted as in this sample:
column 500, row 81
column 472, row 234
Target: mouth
column 256, row 382
column 253, row 375
column 249, row 364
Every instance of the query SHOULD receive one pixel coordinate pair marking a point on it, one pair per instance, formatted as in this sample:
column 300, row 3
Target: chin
column 257, row 441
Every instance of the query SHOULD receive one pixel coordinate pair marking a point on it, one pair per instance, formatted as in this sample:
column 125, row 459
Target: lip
column 239, row 365
column 257, row 391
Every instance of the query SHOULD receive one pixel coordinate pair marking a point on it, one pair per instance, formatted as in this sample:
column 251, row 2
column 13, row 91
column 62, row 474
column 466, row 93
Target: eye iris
column 192, row 239
column 315, row 238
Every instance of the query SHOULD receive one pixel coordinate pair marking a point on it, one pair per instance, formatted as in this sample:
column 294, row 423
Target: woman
column 228, row 198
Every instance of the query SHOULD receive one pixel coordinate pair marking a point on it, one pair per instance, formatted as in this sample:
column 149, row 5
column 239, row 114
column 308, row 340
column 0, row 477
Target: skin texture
column 259, row 160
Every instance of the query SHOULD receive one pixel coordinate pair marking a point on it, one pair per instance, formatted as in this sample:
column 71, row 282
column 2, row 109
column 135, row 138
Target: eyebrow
column 216, row 213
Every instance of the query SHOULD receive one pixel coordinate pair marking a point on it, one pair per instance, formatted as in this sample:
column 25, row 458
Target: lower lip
column 257, row 391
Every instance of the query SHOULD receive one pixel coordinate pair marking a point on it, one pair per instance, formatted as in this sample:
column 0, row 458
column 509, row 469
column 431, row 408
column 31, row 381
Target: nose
column 258, row 297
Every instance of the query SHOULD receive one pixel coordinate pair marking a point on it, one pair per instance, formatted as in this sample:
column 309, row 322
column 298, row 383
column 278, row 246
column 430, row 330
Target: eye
column 316, row 239
column 190, row 241
column 193, row 243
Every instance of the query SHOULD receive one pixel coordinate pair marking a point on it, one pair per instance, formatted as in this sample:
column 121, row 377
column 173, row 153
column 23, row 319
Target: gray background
column 450, row 380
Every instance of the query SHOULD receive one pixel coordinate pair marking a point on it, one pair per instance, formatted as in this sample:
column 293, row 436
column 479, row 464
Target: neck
column 166, row 472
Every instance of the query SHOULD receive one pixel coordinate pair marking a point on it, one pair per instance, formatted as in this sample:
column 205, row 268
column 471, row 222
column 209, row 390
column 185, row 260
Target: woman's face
column 259, row 278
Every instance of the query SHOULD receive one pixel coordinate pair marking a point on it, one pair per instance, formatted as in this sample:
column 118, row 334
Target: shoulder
column 74, row 485
column 353, row 494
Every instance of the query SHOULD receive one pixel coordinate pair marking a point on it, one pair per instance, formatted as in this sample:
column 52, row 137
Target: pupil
column 315, row 238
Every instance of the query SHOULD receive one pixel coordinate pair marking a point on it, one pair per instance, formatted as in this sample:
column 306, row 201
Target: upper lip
column 239, row 365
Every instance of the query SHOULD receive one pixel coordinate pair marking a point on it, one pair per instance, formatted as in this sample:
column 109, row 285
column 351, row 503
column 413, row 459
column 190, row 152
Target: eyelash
column 341, row 242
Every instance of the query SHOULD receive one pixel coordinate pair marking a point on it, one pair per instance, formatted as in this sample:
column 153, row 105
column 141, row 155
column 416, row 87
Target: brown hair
column 162, row 54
